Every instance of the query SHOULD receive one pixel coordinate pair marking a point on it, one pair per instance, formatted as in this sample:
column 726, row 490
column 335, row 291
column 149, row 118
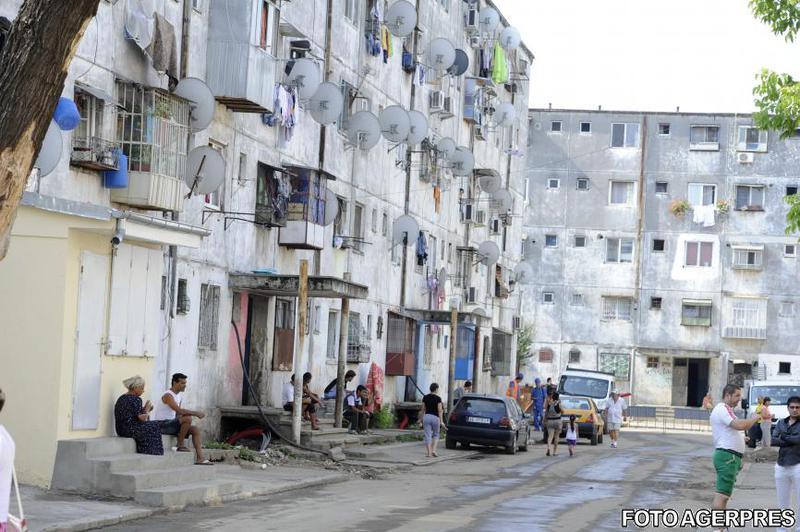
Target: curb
column 80, row 526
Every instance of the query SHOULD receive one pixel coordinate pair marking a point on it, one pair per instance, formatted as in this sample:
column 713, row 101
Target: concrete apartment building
column 659, row 251
column 80, row 313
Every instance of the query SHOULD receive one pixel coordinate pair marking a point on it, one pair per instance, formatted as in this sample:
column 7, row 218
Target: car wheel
column 594, row 437
column 449, row 444
column 524, row 446
column 512, row 448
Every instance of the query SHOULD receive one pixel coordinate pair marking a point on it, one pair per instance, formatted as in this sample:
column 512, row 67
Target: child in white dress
column 572, row 435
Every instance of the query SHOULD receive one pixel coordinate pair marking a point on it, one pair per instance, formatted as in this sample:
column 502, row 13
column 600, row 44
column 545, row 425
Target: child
column 572, row 435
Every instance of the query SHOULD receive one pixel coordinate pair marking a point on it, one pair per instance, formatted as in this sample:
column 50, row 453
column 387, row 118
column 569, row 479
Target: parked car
column 588, row 418
column 489, row 420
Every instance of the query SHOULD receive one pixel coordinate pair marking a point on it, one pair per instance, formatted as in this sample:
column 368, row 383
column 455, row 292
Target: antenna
column 502, row 200
column 441, row 54
column 461, row 63
column 202, row 101
column 50, row 152
column 489, row 181
column 404, row 230
column 205, row 170
column 462, row 161
column 326, row 104
column 488, row 253
column 401, row 18
column 305, row 76
column 510, row 39
column 505, row 114
column 446, row 147
column 363, row 130
column 523, row 273
column 331, row 207
column 418, row 129
column 395, row 123
column 489, row 19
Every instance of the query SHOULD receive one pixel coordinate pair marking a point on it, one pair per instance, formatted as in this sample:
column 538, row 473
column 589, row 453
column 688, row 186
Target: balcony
column 94, row 153
column 746, row 333
column 305, row 216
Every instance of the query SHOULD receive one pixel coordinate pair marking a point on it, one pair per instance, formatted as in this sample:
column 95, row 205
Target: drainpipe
column 322, row 128
column 639, row 237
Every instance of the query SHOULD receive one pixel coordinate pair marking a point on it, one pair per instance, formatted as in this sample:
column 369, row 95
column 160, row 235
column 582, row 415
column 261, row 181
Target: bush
column 384, row 419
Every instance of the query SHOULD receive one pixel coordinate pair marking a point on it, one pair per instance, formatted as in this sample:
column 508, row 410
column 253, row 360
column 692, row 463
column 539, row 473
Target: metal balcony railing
column 95, row 153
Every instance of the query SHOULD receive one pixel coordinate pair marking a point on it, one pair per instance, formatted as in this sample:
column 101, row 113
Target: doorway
column 689, row 381
column 255, row 349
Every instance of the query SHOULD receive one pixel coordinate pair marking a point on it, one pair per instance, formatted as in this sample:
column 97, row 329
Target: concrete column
column 451, row 377
column 302, row 302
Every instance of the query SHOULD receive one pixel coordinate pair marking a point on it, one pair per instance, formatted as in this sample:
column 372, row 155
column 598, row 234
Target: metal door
column 680, row 381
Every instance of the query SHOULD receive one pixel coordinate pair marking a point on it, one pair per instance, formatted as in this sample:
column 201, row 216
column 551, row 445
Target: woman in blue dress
column 132, row 419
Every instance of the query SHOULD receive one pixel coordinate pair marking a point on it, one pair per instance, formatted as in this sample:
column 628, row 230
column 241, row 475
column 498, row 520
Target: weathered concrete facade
column 677, row 302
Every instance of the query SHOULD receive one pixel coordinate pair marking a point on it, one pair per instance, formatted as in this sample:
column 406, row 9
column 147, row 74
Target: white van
column 587, row 383
column 779, row 391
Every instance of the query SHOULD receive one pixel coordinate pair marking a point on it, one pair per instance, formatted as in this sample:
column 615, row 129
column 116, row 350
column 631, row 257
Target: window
column 619, row 250
column 348, row 96
column 659, row 244
column 580, row 241
column 617, row 308
column 384, row 224
column 696, row 313
column 271, row 205
column 699, row 253
column 164, row 292
column 586, row 127
column 582, row 183
column 333, row 335
column 790, row 250
column 624, row 135
column 268, row 29
column 555, row 126
column 652, row 362
column 358, row 229
column 445, row 5
column 747, row 258
column 791, row 190
column 308, row 196
column 369, row 326
column 553, row 183
column 704, row 138
column 663, row 129
column 209, row 317
column 449, row 252
column 784, row 367
column 576, row 300
column 662, row 187
column 197, row 5
column 749, row 197
column 340, row 222
column 374, row 220
column 545, row 355
column 655, row 303
column 701, row 194
column 214, row 199
column 242, row 176
column 752, row 139
column 620, row 192
column 574, row 356
column 550, row 241
column 745, row 318
column 351, row 10
column 548, row 298
column 182, row 303
column 91, row 146
column 527, row 189
column 617, row 363
column 787, row 309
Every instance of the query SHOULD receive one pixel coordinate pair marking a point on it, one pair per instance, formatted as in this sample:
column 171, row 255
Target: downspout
column 639, row 237
column 323, row 129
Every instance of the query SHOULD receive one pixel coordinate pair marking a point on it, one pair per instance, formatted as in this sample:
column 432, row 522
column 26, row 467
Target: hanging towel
column 419, row 76
column 386, row 43
column 408, row 60
column 139, row 22
column 422, row 249
column 499, row 65
column 163, row 48
column 485, row 64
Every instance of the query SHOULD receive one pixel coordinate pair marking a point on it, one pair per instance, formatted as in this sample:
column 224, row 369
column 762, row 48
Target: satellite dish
column 401, row 18
column 480, row 312
column 441, row 54
column 505, row 114
column 205, row 170
column 462, row 161
column 305, row 76
column 523, row 273
column 502, row 200
column 489, row 182
column 461, row 63
column 363, row 130
column 202, row 101
column 489, row 19
column 50, row 152
column 326, row 104
column 488, row 253
column 395, row 123
column 446, row 147
column 404, row 227
column 509, row 38
column 331, row 207
column 418, row 128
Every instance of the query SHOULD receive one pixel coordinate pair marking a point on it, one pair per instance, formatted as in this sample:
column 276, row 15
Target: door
column 92, row 298
column 680, row 381
column 283, row 350
column 256, row 349
column 697, row 382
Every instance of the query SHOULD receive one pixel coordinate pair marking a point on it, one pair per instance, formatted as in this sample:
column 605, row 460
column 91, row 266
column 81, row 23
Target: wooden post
column 451, row 378
column 302, row 303
column 344, row 330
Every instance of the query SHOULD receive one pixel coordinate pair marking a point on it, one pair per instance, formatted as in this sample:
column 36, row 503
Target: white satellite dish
column 404, row 228
column 441, row 54
column 331, row 207
column 510, row 38
column 50, row 152
column 489, row 182
column 418, row 129
column 203, row 104
column 489, row 18
column 205, row 170
column 505, row 114
column 446, row 147
column 305, row 76
column 326, row 104
column 395, row 123
column 462, row 162
column 488, row 253
column 502, row 200
column 479, row 311
column 363, row 130
column 401, row 18
column 523, row 273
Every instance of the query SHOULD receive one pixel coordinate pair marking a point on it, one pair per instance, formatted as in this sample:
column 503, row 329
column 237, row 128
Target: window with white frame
column 555, row 126
column 617, row 308
column 749, row 197
column 664, row 129
column 696, row 312
column 576, row 300
column 659, row 245
column 699, row 254
column 548, row 298
column 751, row 139
column 624, row 135
column 351, row 10
column 553, row 183
column 619, row 250
column 197, row 5
column 242, row 176
column 90, row 133
column 748, row 257
column 700, row 194
column 348, row 96
column 582, row 183
column 745, row 318
column 586, row 127
column 704, row 138
column 214, row 199
column 269, row 17
column 620, row 192
column 209, row 317
column 551, row 241
column 332, row 350
column 662, row 187
column 787, row 309
column 358, row 226
column 790, row 250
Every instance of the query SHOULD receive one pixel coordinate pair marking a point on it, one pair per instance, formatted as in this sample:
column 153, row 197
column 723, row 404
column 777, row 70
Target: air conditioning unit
column 472, row 295
column 475, row 41
column 480, row 217
column 745, row 157
column 494, row 226
column 516, row 323
column 480, row 132
column 468, row 212
column 471, row 20
column 436, row 101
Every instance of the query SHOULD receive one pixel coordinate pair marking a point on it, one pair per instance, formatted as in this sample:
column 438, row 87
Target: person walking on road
column 514, row 390
column 539, row 394
column 433, row 419
column 572, row 434
column 616, row 413
column 787, row 469
column 728, row 433
column 766, row 423
column 553, row 422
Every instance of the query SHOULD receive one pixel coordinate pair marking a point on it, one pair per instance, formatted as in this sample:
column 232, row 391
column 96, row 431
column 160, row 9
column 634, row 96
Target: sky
column 647, row 55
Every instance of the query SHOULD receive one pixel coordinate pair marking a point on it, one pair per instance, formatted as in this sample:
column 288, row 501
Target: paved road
column 495, row 492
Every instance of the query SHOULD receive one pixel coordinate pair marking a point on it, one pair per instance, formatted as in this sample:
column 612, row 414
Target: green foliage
column 782, row 16
column 778, row 101
column 247, row 455
column 384, row 419
column 793, row 216
column 524, row 343
column 218, row 445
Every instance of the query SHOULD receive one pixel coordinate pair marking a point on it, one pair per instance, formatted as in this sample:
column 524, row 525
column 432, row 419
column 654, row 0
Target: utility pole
column 451, row 377
column 302, row 303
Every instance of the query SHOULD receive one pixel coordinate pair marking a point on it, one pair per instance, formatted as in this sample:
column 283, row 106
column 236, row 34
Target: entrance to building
column 255, row 347
column 689, row 381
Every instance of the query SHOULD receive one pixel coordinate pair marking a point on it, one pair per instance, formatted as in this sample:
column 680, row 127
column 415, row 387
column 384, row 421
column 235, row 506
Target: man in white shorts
column 616, row 413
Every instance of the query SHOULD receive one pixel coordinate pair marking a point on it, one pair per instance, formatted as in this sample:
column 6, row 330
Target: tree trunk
column 33, row 66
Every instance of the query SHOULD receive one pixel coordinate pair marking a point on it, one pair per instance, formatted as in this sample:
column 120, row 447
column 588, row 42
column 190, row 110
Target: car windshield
column 482, row 407
column 575, row 404
column 778, row 394
column 586, row 386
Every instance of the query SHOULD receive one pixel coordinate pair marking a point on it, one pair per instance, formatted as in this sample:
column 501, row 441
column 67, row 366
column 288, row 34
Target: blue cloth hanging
column 66, row 114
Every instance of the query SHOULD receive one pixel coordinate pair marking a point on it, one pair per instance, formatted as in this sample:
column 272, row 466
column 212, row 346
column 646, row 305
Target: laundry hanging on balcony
column 419, row 76
column 386, row 44
column 485, row 69
column 499, row 64
column 422, row 249
column 163, row 48
column 285, row 113
column 139, row 22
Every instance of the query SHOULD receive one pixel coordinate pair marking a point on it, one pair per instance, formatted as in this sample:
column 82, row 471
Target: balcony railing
column 95, row 153
column 746, row 333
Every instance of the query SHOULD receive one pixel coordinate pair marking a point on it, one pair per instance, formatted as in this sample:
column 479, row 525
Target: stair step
column 131, row 482
column 122, row 463
column 192, row 493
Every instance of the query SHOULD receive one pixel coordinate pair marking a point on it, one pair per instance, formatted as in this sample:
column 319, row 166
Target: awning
column 146, row 228
column 100, row 94
column 295, row 169
column 443, row 316
column 748, row 247
column 288, row 285
column 698, row 302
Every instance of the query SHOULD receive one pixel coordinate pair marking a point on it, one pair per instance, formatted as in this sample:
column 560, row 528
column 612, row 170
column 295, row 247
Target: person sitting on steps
column 177, row 421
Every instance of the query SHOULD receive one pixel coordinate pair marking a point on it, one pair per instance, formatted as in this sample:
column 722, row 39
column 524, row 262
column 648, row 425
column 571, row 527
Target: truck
column 778, row 391
column 579, row 382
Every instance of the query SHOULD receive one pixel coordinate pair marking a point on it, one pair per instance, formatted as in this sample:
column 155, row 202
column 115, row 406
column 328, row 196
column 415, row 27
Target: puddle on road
column 487, row 487
column 609, row 468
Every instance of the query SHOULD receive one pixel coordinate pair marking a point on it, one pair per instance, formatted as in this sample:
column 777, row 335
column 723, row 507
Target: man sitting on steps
column 177, row 421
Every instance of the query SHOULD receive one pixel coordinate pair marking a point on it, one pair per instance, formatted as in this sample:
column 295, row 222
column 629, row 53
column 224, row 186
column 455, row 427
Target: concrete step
column 192, row 493
column 123, row 463
column 132, row 481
